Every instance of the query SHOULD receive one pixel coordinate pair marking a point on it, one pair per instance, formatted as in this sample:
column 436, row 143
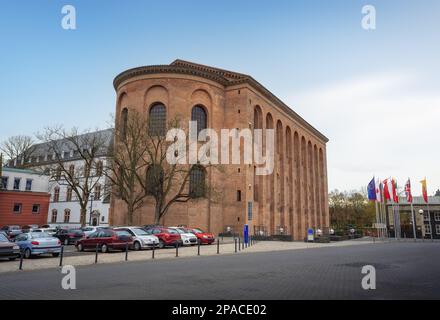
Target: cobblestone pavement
column 405, row 270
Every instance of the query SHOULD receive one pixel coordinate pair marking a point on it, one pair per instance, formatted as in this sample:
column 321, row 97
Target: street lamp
column 91, row 209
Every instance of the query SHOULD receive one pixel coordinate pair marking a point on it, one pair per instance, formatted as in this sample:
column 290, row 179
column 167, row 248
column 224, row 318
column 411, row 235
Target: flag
column 379, row 191
column 409, row 197
column 386, row 189
column 372, row 190
column 394, row 188
column 424, row 190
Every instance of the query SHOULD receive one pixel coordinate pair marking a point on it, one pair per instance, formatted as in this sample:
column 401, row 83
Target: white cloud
column 378, row 124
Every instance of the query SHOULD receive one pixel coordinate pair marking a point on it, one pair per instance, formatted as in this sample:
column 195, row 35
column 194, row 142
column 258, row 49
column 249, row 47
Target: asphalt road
column 403, row 270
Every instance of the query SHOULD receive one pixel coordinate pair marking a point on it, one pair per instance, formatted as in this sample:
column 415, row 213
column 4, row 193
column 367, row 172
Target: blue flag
column 372, row 190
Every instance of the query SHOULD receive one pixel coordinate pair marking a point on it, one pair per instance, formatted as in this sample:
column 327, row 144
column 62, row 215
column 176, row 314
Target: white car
column 88, row 230
column 49, row 231
column 188, row 239
column 141, row 239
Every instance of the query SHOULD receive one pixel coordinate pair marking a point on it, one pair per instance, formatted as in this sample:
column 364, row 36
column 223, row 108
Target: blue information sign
column 246, row 233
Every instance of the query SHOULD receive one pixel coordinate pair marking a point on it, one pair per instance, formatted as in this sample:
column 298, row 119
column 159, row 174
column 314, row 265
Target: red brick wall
column 27, row 199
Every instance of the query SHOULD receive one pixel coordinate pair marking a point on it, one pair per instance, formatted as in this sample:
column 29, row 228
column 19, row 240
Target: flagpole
column 377, row 220
column 414, row 221
column 430, row 223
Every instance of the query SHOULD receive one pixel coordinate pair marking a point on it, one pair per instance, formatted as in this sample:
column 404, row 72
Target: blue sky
column 373, row 93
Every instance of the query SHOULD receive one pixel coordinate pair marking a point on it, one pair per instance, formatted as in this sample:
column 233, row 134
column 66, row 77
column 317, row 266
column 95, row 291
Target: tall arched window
column 54, row 216
column 124, row 120
column 197, row 182
column 66, row 215
column 155, row 177
column 198, row 114
column 56, row 194
column 157, row 120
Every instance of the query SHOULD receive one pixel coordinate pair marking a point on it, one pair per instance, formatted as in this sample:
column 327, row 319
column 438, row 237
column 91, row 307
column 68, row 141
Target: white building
column 64, row 208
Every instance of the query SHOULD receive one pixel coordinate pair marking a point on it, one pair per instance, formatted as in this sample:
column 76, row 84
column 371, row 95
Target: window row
column 157, row 118
column 428, row 228
column 69, row 194
column 54, row 216
column 71, row 171
column 18, row 208
column 16, row 184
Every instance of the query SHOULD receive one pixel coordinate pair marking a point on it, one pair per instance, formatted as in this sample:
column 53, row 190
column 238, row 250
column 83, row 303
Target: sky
column 374, row 93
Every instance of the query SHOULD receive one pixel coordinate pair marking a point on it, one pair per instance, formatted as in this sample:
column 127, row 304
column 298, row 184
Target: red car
column 106, row 239
column 202, row 236
column 167, row 237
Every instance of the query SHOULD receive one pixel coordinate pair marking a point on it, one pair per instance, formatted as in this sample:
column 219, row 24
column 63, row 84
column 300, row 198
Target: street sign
column 246, row 233
column 310, row 234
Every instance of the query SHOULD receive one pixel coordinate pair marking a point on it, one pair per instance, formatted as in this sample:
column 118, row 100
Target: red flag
column 394, row 187
column 386, row 189
column 409, row 197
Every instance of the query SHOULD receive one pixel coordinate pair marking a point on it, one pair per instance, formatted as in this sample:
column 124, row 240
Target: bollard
column 61, row 256
column 20, row 267
column 239, row 244
column 126, row 251
column 177, row 249
column 198, row 248
column 154, row 249
column 242, row 245
column 96, row 254
column 218, row 245
column 235, row 242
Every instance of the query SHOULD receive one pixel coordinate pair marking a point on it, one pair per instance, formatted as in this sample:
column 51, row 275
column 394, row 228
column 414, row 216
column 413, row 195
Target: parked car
column 167, row 237
column 106, row 240
column 8, row 249
column 69, row 236
column 141, row 239
column 29, row 228
column 49, row 231
column 188, row 238
column 202, row 236
column 89, row 230
column 12, row 231
column 50, row 226
column 38, row 243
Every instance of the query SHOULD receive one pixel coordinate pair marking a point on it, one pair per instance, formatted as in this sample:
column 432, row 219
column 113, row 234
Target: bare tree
column 19, row 148
column 126, row 165
column 167, row 182
column 76, row 161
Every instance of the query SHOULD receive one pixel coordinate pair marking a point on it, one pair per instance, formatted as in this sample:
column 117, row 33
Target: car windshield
column 172, row 231
column 40, row 235
column 178, row 230
column 3, row 238
column 198, row 231
column 15, row 228
column 139, row 232
column 122, row 233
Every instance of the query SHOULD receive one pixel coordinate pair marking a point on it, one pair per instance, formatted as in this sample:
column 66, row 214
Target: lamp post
column 430, row 226
column 91, row 209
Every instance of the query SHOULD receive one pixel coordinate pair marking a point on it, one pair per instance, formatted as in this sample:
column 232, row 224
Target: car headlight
column 205, row 237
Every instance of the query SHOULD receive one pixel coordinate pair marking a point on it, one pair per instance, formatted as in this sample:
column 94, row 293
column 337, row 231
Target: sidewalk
column 227, row 247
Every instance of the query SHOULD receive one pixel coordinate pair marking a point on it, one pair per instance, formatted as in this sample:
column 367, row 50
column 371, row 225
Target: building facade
column 288, row 201
column 24, row 197
column 399, row 218
column 64, row 209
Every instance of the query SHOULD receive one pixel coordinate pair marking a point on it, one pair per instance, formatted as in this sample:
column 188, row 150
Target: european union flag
column 372, row 190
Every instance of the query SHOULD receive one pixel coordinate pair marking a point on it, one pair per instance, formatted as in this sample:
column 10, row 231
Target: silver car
column 141, row 239
column 38, row 243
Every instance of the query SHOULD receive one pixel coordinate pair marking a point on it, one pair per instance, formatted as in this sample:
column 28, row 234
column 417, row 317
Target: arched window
column 66, row 215
column 197, row 182
column 69, row 194
column 154, row 180
column 198, row 114
column 56, row 194
column 124, row 119
column 99, row 167
column 157, row 120
column 54, row 216
column 97, row 193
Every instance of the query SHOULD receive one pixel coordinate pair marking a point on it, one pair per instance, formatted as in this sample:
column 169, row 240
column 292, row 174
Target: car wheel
column 161, row 244
column 66, row 242
column 27, row 253
column 80, row 247
column 55, row 254
column 104, row 248
column 137, row 246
